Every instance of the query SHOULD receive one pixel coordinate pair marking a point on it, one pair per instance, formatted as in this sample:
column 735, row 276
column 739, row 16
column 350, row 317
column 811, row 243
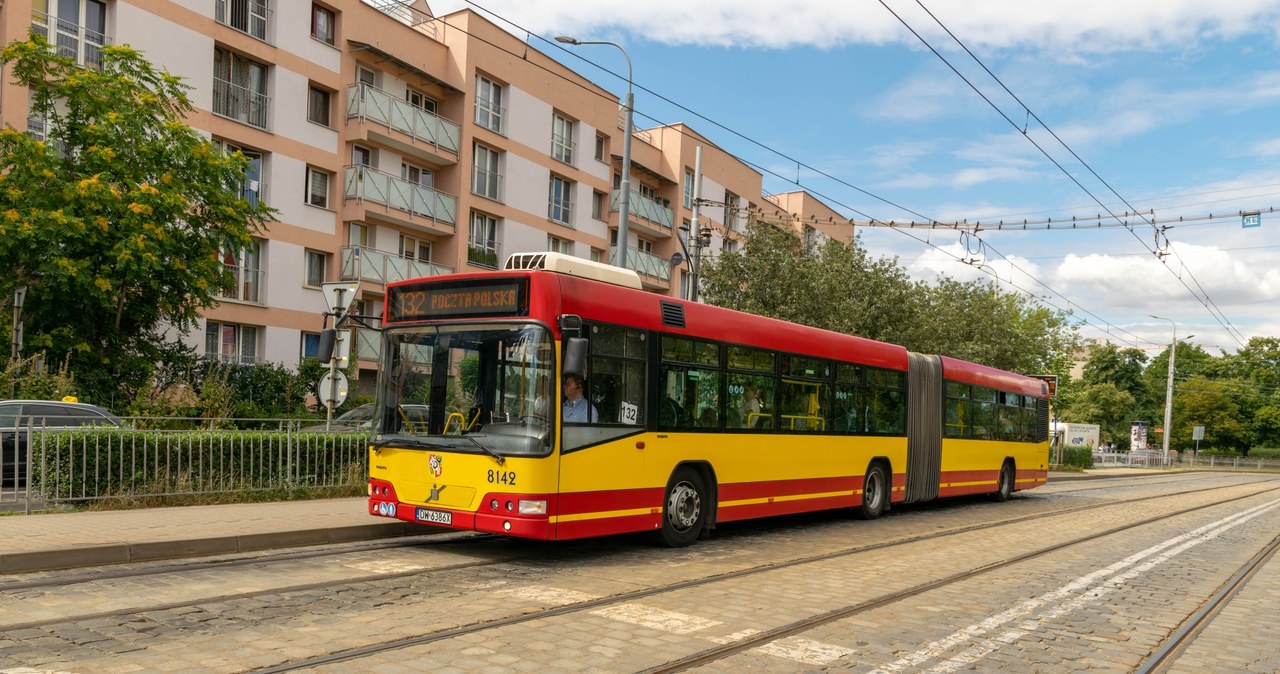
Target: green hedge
column 1077, row 457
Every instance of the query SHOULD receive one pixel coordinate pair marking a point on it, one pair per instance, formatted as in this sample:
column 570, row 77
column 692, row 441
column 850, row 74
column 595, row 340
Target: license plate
column 435, row 516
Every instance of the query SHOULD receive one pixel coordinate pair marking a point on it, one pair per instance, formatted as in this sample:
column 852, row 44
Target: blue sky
column 1174, row 104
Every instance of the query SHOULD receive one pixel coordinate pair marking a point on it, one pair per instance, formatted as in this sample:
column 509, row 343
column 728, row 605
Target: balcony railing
column 366, row 183
column 402, row 12
column 484, row 255
column 70, row 39
column 368, row 345
column 246, row 284
column 644, row 263
column 371, row 103
column 643, row 207
column 240, row 103
column 367, row 264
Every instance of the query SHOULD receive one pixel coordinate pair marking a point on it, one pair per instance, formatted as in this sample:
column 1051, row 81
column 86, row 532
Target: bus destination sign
column 426, row 302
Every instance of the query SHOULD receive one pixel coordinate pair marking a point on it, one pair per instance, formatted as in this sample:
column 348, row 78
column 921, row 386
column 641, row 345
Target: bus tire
column 1004, row 488
column 875, row 493
column 684, row 509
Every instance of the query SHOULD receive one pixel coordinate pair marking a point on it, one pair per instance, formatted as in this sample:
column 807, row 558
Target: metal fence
column 1156, row 459
column 82, row 465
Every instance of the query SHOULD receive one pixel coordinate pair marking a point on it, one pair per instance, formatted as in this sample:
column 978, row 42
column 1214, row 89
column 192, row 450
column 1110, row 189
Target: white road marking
column 732, row 638
column 656, row 618
column 805, row 650
column 1079, row 592
column 547, row 595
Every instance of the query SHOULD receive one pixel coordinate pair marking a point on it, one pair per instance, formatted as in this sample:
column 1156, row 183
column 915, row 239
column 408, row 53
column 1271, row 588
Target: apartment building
column 397, row 144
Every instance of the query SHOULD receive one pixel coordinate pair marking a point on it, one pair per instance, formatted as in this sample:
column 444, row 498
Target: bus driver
column 576, row 407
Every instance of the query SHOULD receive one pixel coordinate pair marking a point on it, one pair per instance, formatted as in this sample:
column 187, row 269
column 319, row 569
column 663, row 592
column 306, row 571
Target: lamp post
column 1168, row 392
column 624, row 199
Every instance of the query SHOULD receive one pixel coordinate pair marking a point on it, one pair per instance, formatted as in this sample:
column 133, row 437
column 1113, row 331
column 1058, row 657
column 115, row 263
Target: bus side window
column 617, row 385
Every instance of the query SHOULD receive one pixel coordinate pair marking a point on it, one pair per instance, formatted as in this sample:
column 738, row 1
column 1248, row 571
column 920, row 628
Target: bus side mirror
column 575, row 356
column 324, row 350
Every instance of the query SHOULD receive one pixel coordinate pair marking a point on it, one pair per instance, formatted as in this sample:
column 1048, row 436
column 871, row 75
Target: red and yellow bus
column 692, row 415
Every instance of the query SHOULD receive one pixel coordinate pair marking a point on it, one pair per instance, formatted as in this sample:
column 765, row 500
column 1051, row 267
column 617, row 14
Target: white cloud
column 1088, row 26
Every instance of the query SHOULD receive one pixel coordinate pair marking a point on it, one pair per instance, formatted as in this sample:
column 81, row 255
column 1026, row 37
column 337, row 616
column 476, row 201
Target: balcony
column 485, row 255
column 70, row 39
column 241, row 104
column 405, row 202
column 646, row 215
column 368, row 344
column 366, row 264
column 245, row 285
column 426, row 131
column 655, row 272
column 409, row 16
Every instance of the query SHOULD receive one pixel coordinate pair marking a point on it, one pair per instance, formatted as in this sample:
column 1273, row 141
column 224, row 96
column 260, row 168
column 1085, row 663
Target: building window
column 599, row 205
column 415, row 249
column 246, row 16
column 310, row 345
column 240, row 89
column 416, row 175
column 76, row 29
column 556, row 244
column 358, row 234
column 318, row 106
column 731, row 204
column 242, row 265
column 322, row 24
column 489, row 110
column 688, row 189
column 420, row 100
column 560, row 200
column 315, row 268
column 487, row 179
column 361, row 155
column 482, row 246
column 597, row 255
column 562, row 145
column 600, row 144
column 252, row 189
column 317, row 187
column 644, row 246
column 231, row 343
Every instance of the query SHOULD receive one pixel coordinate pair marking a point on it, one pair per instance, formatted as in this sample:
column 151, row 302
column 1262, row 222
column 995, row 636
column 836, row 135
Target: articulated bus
column 694, row 415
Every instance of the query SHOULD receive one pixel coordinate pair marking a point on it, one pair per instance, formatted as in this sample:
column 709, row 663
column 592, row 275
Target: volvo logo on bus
column 435, row 492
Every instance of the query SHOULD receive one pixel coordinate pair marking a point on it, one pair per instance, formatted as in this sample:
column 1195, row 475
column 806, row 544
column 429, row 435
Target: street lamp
column 624, row 199
column 1168, row 392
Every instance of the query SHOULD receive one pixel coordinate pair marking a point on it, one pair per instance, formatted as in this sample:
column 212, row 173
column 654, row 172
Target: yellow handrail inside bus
column 462, row 422
column 474, row 418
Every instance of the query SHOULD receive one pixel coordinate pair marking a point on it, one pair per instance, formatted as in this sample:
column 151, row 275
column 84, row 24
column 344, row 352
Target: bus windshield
column 483, row 388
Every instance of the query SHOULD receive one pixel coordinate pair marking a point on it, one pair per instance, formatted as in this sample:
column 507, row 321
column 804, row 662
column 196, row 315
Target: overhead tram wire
column 763, row 169
column 1088, row 223
column 1207, row 301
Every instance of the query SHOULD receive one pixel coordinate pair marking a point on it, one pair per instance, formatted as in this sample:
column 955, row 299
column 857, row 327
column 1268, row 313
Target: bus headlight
column 529, row 507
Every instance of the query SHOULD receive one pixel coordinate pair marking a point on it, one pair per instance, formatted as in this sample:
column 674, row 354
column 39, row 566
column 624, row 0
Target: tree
column 1103, row 403
column 115, row 220
column 1212, row 404
column 840, row 287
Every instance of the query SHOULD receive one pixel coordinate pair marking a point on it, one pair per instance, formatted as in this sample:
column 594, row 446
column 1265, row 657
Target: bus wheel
column 684, row 509
column 875, row 493
column 1005, row 487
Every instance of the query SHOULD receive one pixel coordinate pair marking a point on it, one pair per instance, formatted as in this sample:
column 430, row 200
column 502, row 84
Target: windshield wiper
column 496, row 456
column 422, row 443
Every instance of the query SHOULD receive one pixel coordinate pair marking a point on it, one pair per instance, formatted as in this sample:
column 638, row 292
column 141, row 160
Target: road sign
column 1197, row 432
column 332, row 389
column 1250, row 220
column 339, row 295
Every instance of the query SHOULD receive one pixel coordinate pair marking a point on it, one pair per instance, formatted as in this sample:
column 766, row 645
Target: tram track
column 756, row 640
column 1185, row 635
column 461, row 538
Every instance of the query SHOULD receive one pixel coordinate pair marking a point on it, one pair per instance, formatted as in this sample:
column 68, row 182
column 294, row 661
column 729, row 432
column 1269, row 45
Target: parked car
column 360, row 419
column 17, row 417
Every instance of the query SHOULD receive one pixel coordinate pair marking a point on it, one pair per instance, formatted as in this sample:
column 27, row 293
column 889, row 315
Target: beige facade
column 396, row 144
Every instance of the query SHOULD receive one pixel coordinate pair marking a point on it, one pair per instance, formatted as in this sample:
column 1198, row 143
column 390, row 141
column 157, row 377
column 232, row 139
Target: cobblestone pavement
column 1096, row 606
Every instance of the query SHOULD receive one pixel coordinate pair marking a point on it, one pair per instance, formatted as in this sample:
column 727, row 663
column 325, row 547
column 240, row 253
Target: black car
column 17, row 416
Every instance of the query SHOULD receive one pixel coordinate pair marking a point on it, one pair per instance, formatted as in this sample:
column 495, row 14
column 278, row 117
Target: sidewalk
column 48, row 541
